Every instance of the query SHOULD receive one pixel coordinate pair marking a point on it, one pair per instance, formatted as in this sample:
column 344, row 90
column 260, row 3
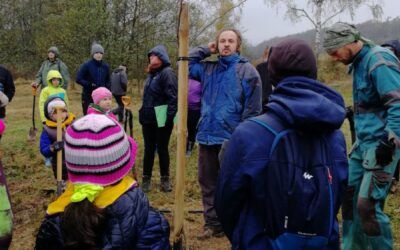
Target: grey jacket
column 119, row 82
column 48, row 65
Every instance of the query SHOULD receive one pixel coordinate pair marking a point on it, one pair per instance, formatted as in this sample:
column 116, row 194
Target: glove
column 349, row 112
column 57, row 146
column 384, row 152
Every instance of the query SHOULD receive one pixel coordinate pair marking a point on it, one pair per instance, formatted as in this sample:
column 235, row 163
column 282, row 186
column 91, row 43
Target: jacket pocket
column 369, row 159
column 147, row 115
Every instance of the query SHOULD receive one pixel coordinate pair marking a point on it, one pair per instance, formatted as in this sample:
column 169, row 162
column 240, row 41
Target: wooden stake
column 59, row 153
column 178, row 233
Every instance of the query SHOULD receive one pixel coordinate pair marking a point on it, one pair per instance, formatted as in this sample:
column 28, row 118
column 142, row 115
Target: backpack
column 298, row 212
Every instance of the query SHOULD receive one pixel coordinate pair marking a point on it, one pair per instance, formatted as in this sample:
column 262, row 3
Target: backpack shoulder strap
column 274, row 126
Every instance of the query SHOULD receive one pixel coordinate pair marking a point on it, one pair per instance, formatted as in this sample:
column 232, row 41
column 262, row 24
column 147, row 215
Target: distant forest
column 373, row 30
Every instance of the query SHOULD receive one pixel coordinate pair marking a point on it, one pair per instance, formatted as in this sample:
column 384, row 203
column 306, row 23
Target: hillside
column 374, row 30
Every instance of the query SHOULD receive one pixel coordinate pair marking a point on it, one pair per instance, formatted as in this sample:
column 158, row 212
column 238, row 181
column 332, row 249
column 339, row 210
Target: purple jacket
column 194, row 95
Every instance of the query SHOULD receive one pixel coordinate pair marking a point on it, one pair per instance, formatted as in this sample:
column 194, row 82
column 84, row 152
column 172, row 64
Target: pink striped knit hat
column 97, row 151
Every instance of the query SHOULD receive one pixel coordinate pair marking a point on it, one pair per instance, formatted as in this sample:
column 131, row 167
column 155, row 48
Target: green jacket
column 6, row 216
column 376, row 95
column 50, row 90
column 48, row 65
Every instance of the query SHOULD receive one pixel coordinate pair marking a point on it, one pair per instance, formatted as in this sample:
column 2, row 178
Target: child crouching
column 48, row 139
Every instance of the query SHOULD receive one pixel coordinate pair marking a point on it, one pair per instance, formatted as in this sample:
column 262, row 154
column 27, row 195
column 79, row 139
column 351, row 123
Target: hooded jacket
column 376, row 96
column 47, row 65
column 160, row 88
column 301, row 104
column 245, row 184
column 231, row 93
column 50, row 90
column 49, row 136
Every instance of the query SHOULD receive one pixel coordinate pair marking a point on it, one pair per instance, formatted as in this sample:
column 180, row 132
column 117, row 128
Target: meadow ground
column 31, row 183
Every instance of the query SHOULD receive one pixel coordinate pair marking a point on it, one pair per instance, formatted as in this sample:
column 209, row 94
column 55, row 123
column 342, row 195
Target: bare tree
column 321, row 12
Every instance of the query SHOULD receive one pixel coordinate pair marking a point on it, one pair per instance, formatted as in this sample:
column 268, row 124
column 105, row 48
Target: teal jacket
column 376, row 95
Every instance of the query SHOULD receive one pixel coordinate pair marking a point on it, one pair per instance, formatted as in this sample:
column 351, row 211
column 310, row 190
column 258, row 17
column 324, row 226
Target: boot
column 146, row 183
column 189, row 148
column 165, row 184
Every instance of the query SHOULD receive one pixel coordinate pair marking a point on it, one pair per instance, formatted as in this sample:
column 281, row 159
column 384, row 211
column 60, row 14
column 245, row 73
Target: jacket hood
column 117, row 70
column 55, row 50
column 395, row 44
column 161, row 52
column 291, row 57
column 51, row 98
column 307, row 105
column 54, row 74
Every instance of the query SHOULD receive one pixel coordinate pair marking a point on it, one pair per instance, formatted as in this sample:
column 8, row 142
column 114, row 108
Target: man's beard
column 351, row 57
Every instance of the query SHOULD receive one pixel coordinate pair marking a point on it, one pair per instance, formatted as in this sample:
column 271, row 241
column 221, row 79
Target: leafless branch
column 305, row 14
column 216, row 19
column 332, row 16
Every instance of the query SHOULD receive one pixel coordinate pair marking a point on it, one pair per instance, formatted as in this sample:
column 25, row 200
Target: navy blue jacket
column 395, row 44
column 231, row 93
column 93, row 72
column 301, row 104
column 160, row 88
column 6, row 86
column 132, row 224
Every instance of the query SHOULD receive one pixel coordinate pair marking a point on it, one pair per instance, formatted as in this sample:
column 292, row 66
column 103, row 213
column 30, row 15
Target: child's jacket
column 48, row 137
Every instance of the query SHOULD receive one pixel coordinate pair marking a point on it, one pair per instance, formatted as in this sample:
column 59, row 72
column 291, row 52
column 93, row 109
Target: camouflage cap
column 339, row 35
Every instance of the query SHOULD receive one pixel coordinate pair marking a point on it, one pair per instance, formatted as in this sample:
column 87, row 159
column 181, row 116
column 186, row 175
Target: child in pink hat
column 102, row 100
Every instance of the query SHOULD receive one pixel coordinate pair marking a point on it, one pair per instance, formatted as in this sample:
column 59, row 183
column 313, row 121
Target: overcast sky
column 260, row 22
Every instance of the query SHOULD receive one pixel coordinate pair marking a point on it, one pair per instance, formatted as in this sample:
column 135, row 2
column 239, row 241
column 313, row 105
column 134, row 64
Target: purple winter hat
column 97, row 151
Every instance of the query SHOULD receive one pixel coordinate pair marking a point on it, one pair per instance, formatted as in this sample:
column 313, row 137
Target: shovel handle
column 34, row 90
column 59, row 153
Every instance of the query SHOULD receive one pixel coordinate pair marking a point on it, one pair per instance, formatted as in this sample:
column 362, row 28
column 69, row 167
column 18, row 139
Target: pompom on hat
column 97, row 151
column 100, row 93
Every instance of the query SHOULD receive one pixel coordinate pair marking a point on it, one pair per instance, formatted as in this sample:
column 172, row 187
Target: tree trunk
column 318, row 27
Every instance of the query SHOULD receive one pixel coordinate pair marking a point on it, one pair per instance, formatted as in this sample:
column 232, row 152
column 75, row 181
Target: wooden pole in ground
column 178, row 232
column 59, row 153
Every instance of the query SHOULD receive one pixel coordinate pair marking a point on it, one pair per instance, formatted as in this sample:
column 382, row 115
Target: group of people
column 284, row 175
column 272, row 167
column 278, row 180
